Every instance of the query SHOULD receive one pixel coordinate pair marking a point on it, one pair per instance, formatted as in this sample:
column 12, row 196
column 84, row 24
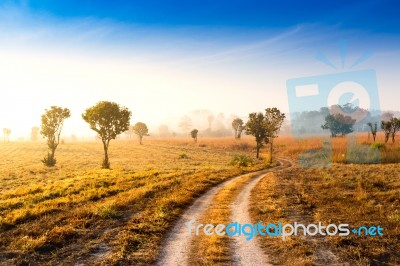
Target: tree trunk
column 106, row 163
column 270, row 152
column 393, row 136
column 53, row 151
column 140, row 140
column 258, row 151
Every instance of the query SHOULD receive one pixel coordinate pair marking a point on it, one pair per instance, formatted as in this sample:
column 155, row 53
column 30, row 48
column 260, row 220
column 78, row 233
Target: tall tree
column 163, row 130
column 129, row 132
column 52, row 124
column 386, row 126
column 274, row 120
column 108, row 120
column 35, row 133
column 141, row 130
column 338, row 124
column 6, row 134
column 395, row 127
column 256, row 127
column 185, row 124
column 237, row 125
column 210, row 120
column 193, row 133
column 373, row 129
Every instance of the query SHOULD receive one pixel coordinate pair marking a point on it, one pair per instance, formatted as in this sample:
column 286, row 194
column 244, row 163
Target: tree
column 129, row 132
column 210, row 120
column 237, row 125
column 108, row 120
column 387, row 116
column 193, row 133
column 274, row 120
column 6, row 134
column 386, row 126
column 141, row 130
column 185, row 124
column 52, row 124
column 163, row 130
column 373, row 129
column 338, row 124
column 395, row 127
column 35, row 133
column 256, row 127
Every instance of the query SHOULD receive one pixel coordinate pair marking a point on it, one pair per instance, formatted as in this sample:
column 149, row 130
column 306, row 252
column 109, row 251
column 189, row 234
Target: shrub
column 107, row 212
column 378, row 145
column 363, row 155
column 49, row 160
column 183, row 156
column 241, row 160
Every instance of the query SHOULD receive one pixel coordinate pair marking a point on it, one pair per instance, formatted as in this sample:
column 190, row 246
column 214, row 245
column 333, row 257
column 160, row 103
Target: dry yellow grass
column 77, row 212
column 357, row 194
column 290, row 147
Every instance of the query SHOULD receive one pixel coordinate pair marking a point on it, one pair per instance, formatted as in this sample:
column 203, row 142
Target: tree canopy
column 52, row 124
column 108, row 120
column 338, row 124
column 141, row 130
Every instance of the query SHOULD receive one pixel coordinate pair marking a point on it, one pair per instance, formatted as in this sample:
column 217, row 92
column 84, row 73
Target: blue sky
column 379, row 16
column 226, row 56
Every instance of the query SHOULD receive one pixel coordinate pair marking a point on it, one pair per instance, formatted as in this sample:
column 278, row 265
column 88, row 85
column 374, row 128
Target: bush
column 378, row 145
column 105, row 164
column 49, row 160
column 241, row 160
column 363, row 155
column 183, row 156
column 107, row 212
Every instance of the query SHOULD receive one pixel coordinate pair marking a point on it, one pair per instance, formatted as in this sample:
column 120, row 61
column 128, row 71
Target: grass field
column 79, row 212
column 357, row 194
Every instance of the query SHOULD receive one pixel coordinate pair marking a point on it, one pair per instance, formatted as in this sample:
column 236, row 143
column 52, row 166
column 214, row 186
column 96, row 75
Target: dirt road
column 176, row 248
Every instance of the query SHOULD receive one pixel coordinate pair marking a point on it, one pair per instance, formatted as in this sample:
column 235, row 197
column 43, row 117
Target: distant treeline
column 309, row 122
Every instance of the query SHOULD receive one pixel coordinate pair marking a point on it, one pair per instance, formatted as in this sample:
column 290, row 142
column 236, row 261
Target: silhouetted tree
column 185, row 124
column 386, row 126
column 210, row 120
column 237, row 125
column 163, row 130
column 141, row 130
column 256, row 127
column 338, row 124
column 6, row 134
column 108, row 120
column 193, row 133
column 52, row 123
column 35, row 133
column 387, row 116
column 373, row 129
column 274, row 120
column 129, row 132
column 395, row 127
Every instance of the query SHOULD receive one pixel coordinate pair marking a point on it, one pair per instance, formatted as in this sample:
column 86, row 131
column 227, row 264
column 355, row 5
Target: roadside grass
column 67, row 213
column 345, row 193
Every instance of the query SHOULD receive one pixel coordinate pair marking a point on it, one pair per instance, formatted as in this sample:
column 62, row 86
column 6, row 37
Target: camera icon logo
column 316, row 97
